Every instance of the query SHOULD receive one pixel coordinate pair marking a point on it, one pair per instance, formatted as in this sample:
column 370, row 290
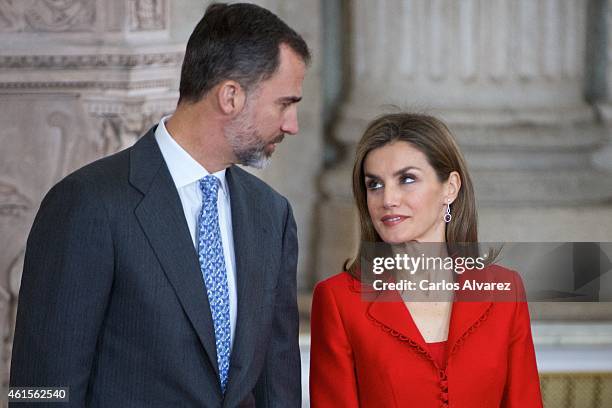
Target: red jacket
column 371, row 354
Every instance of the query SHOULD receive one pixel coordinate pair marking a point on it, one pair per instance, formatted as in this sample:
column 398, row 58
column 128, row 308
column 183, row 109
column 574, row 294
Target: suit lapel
column 252, row 249
column 465, row 317
column 162, row 219
column 467, row 314
column 392, row 314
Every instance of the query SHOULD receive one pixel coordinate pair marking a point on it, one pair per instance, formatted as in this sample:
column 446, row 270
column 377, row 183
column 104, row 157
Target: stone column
column 603, row 158
column 294, row 167
column 508, row 78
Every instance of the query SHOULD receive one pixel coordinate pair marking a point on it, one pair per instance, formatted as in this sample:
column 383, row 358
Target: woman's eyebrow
column 397, row 173
column 405, row 169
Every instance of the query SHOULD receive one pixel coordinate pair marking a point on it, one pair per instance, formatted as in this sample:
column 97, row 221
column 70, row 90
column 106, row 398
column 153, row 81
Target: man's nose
column 290, row 124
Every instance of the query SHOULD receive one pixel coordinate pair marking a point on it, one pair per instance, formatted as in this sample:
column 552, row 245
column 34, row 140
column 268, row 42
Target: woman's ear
column 230, row 97
column 453, row 185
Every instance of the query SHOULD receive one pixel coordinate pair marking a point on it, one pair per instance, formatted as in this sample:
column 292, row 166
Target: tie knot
column 209, row 186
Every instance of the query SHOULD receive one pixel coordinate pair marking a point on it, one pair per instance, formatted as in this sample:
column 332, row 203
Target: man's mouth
column 270, row 147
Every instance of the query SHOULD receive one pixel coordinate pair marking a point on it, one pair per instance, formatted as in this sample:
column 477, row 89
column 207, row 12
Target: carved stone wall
column 47, row 15
column 83, row 16
column 79, row 79
column 117, row 55
column 39, row 148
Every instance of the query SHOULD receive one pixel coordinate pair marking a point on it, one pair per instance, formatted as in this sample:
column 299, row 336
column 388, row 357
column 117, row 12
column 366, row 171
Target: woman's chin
column 396, row 240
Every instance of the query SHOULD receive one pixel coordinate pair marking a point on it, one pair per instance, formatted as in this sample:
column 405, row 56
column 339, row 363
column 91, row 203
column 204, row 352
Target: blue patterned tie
column 212, row 264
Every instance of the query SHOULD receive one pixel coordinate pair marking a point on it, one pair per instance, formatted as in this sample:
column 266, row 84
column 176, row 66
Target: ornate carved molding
column 89, row 66
column 109, row 60
column 120, row 85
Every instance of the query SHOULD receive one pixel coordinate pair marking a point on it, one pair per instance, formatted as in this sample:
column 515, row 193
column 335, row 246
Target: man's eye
column 407, row 180
column 373, row 185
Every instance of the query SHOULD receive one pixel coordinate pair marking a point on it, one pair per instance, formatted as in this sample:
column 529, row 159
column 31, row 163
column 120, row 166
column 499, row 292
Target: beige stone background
column 523, row 83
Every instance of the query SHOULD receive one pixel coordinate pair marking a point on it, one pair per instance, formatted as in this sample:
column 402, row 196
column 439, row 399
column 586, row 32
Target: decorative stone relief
column 47, row 15
column 12, row 202
column 119, row 131
column 38, row 149
column 60, row 15
column 147, row 15
column 11, row 19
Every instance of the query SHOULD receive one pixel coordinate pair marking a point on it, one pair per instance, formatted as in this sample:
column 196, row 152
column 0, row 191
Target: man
column 164, row 275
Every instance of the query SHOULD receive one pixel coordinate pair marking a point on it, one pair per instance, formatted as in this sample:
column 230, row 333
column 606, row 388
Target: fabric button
column 444, row 397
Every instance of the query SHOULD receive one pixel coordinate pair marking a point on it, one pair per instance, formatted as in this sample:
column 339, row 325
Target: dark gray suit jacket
column 113, row 303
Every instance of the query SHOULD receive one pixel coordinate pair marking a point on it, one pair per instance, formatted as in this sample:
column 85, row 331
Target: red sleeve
column 332, row 368
column 522, row 382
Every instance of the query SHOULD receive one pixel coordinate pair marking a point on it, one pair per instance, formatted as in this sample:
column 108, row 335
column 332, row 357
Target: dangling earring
column 447, row 216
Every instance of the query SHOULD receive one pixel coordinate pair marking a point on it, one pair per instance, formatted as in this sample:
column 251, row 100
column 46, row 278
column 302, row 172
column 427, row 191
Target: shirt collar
column 183, row 168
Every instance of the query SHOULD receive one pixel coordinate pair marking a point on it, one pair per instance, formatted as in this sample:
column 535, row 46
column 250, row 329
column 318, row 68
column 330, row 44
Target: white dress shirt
column 186, row 172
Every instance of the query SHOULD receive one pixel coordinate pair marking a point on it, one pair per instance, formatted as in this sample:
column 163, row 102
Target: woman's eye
column 373, row 185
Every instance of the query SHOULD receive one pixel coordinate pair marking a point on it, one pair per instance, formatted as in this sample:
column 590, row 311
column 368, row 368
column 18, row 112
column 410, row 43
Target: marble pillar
column 297, row 161
column 603, row 158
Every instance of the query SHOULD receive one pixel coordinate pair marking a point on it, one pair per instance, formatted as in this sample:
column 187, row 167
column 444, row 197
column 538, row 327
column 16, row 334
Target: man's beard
column 246, row 142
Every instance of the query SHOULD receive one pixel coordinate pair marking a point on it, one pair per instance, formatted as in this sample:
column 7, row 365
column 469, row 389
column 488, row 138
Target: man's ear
column 230, row 97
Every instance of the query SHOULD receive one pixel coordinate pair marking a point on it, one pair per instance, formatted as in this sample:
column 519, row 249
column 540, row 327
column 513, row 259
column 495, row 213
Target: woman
column 411, row 184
